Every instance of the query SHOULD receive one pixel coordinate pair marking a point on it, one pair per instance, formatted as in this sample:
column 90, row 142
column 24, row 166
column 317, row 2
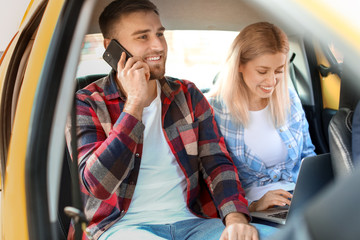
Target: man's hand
column 133, row 78
column 277, row 197
column 238, row 227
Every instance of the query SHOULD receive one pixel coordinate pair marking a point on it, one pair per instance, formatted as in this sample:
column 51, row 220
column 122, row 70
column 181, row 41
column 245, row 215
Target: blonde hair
column 253, row 41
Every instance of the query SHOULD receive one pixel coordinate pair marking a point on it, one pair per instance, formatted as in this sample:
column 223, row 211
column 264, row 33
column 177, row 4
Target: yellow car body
column 13, row 212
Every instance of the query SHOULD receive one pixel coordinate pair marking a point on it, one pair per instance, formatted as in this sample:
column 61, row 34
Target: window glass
column 91, row 61
column 193, row 55
column 197, row 55
column 337, row 54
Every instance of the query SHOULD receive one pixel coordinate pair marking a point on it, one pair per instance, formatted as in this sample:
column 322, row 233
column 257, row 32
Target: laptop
column 315, row 172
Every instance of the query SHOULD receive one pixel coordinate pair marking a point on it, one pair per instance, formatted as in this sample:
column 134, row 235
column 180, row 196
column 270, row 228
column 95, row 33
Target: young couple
column 157, row 162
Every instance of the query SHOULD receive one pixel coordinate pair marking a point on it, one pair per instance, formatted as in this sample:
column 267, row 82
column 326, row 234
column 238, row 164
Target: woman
column 262, row 121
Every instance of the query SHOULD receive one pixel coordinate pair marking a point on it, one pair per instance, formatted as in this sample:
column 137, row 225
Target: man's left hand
column 238, row 227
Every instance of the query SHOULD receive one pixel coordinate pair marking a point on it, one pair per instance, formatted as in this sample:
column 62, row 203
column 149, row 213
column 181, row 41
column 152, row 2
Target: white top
column 263, row 139
column 160, row 192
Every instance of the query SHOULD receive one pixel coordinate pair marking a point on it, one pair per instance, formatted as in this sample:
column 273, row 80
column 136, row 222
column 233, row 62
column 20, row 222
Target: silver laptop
column 315, row 172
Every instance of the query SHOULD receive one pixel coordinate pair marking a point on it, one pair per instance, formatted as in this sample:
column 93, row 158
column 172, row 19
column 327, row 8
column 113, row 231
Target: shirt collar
column 169, row 87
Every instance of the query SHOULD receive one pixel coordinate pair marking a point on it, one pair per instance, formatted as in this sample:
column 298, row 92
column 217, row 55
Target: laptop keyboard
column 281, row 215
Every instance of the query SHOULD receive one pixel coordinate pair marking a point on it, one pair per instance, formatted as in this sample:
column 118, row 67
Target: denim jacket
column 252, row 171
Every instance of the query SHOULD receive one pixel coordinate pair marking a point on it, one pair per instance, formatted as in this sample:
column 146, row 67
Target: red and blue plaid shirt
column 110, row 148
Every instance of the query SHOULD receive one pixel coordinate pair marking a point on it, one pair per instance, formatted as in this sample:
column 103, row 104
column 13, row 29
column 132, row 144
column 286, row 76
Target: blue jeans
column 193, row 229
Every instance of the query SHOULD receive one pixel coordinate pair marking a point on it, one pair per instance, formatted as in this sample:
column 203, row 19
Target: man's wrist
column 236, row 217
column 134, row 110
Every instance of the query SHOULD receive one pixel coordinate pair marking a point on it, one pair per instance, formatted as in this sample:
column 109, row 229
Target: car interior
column 304, row 70
column 323, row 81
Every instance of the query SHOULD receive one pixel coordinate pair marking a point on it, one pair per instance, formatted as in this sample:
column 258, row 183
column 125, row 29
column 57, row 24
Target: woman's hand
column 272, row 198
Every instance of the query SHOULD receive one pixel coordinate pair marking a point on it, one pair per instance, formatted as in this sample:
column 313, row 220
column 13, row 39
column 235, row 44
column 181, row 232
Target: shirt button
column 289, row 146
column 137, row 155
column 275, row 176
column 122, row 213
column 281, row 130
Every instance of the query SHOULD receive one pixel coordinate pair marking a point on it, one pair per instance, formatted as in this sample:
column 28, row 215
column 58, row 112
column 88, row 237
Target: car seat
column 341, row 129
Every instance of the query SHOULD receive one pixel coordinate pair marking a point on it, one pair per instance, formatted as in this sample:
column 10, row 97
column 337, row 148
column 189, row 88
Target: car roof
column 230, row 15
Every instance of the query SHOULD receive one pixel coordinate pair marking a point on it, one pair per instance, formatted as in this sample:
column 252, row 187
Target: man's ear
column 106, row 42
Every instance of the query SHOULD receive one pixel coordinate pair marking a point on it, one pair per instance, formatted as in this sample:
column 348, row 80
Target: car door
column 33, row 127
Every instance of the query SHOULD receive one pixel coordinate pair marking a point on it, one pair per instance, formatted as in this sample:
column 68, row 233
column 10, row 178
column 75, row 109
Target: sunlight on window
column 338, row 55
column 91, row 61
column 349, row 9
column 197, row 55
column 193, row 55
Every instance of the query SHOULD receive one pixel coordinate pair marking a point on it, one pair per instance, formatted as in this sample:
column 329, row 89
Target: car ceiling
column 202, row 15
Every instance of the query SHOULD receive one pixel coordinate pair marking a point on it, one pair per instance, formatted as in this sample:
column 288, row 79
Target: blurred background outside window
column 193, row 55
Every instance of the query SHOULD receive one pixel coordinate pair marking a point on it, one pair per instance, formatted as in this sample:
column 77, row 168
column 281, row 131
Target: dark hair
column 117, row 8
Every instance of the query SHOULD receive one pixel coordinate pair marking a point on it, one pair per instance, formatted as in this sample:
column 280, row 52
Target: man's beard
column 157, row 72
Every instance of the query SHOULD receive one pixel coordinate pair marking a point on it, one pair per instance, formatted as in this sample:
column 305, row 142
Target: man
column 152, row 162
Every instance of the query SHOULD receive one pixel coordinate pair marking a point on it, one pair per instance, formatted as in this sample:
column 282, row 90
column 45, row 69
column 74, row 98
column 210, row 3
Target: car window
column 336, row 53
column 193, row 55
column 197, row 56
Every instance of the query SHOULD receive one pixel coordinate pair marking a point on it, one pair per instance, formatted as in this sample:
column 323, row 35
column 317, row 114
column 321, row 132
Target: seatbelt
column 292, row 72
column 75, row 212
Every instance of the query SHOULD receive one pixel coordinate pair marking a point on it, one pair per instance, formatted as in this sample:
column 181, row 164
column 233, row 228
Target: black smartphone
column 113, row 53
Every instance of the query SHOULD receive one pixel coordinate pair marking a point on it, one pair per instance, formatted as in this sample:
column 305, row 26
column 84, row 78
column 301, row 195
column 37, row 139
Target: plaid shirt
column 252, row 171
column 110, row 149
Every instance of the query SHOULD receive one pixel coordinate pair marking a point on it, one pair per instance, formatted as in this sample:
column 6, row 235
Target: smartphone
column 113, row 53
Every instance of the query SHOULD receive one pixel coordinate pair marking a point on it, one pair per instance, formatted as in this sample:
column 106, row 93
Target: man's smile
column 153, row 58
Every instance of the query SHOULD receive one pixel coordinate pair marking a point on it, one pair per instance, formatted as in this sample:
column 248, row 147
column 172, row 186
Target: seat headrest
column 86, row 80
